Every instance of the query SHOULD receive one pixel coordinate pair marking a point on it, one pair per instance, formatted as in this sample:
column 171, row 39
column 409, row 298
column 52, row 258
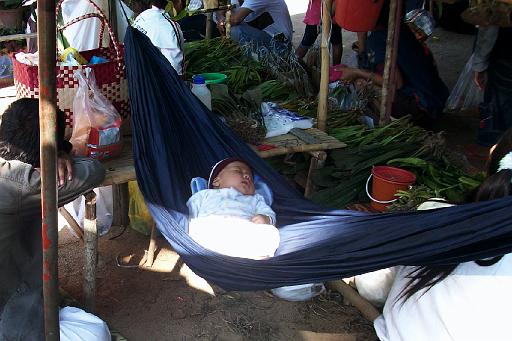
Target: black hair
column 19, row 132
column 158, row 3
column 497, row 185
column 383, row 19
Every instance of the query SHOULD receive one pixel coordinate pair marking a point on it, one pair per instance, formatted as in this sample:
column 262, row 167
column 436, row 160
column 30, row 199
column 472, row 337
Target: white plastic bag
column 104, row 209
column 465, row 94
column 77, row 325
column 302, row 292
column 279, row 121
column 375, row 285
column 96, row 123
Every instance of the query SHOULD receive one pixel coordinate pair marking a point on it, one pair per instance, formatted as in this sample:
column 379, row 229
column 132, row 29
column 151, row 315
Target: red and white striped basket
column 110, row 76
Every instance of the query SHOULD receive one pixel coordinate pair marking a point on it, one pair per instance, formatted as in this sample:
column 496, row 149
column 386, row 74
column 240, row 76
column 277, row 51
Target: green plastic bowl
column 214, row 78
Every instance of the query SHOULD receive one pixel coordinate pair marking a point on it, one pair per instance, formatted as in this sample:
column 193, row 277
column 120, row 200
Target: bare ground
column 168, row 302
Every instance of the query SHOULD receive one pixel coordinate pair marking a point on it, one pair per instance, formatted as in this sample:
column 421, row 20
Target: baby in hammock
column 229, row 217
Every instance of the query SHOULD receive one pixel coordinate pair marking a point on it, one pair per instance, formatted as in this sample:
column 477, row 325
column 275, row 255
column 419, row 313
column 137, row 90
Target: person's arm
column 485, row 40
column 238, row 17
column 263, row 211
column 194, row 204
column 351, row 74
column 87, row 175
column 220, row 17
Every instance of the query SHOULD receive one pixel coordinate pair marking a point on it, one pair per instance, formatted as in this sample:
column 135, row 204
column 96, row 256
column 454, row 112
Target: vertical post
column 389, row 80
column 47, row 126
column 324, row 70
column 152, row 247
column 228, row 23
column 121, row 200
column 90, row 251
column 209, row 21
column 112, row 16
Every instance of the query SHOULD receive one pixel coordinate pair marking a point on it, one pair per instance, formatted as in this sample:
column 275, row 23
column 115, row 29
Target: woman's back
column 472, row 303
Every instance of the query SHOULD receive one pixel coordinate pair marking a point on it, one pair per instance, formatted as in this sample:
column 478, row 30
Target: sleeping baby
column 229, row 217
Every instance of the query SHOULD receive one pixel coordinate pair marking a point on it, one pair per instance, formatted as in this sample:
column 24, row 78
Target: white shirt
column 277, row 10
column 471, row 304
column 228, row 202
column 164, row 34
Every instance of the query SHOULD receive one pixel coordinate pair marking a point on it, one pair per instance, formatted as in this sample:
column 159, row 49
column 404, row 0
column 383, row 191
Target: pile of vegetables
column 399, row 144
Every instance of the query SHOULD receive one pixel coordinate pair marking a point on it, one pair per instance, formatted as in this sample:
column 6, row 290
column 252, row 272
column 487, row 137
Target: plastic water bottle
column 201, row 91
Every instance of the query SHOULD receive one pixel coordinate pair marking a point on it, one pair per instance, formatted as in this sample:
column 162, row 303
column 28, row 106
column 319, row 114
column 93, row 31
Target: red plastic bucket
column 357, row 15
column 386, row 182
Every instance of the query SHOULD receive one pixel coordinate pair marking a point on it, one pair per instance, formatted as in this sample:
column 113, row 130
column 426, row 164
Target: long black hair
column 19, row 132
column 496, row 185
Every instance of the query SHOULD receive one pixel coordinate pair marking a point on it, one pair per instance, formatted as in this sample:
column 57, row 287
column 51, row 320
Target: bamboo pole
column 366, row 308
column 228, row 23
column 209, row 23
column 48, row 149
column 90, row 251
column 18, row 36
column 389, row 81
column 324, row 70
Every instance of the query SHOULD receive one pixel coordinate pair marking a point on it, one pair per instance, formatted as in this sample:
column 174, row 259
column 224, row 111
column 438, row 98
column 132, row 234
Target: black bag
column 262, row 21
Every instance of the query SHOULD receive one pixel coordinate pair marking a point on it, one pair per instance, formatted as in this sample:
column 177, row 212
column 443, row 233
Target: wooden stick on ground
column 365, row 307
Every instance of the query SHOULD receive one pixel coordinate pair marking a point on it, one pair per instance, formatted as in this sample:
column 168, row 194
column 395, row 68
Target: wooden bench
column 121, row 170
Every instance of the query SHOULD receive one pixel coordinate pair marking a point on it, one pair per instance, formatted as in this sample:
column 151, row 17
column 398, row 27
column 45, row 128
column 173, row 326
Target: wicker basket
column 110, row 76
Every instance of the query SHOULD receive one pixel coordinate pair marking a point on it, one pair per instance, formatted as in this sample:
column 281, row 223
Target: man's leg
column 308, row 39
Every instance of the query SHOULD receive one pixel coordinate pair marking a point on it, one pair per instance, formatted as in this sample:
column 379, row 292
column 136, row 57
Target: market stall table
column 121, row 170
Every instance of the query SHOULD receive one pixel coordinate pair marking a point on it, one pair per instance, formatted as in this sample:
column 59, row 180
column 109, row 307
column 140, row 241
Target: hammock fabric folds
column 176, row 138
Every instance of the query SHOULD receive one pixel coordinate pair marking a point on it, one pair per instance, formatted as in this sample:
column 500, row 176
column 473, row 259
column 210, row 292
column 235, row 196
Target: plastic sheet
column 465, row 94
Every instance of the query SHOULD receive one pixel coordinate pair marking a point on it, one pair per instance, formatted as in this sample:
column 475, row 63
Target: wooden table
column 121, row 170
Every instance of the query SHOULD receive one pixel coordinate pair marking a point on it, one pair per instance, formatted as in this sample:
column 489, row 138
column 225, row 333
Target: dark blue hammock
column 176, row 138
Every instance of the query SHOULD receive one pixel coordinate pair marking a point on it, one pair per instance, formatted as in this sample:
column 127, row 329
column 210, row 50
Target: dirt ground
column 167, row 302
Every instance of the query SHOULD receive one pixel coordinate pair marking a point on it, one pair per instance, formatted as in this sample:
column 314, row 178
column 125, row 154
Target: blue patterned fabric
column 176, row 138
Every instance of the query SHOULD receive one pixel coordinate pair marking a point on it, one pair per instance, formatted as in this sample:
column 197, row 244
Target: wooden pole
column 90, row 251
column 48, row 153
column 324, row 70
column 228, row 23
column 366, row 308
column 389, row 81
column 209, row 22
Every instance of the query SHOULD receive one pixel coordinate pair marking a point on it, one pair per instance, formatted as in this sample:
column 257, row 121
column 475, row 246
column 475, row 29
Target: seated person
column 229, row 217
column 163, row 32
column 420, row 91
column 192, row 26
column 467, row 301
column 259, row 21
column 21, row 305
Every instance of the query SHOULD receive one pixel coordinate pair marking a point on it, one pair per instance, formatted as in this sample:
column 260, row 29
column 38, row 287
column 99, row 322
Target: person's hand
column 261, row 219
column 64, row 168
column 221, row 26
column 349, row 74
column 480, row 79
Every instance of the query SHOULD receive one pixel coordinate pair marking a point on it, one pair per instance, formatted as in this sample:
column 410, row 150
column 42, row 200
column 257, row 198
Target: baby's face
column 237, row 175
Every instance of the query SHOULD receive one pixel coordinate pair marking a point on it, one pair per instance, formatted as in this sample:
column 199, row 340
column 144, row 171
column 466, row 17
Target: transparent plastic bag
column 96, row 123
column 138, row 213
column 465, row 94
column 297, row 293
